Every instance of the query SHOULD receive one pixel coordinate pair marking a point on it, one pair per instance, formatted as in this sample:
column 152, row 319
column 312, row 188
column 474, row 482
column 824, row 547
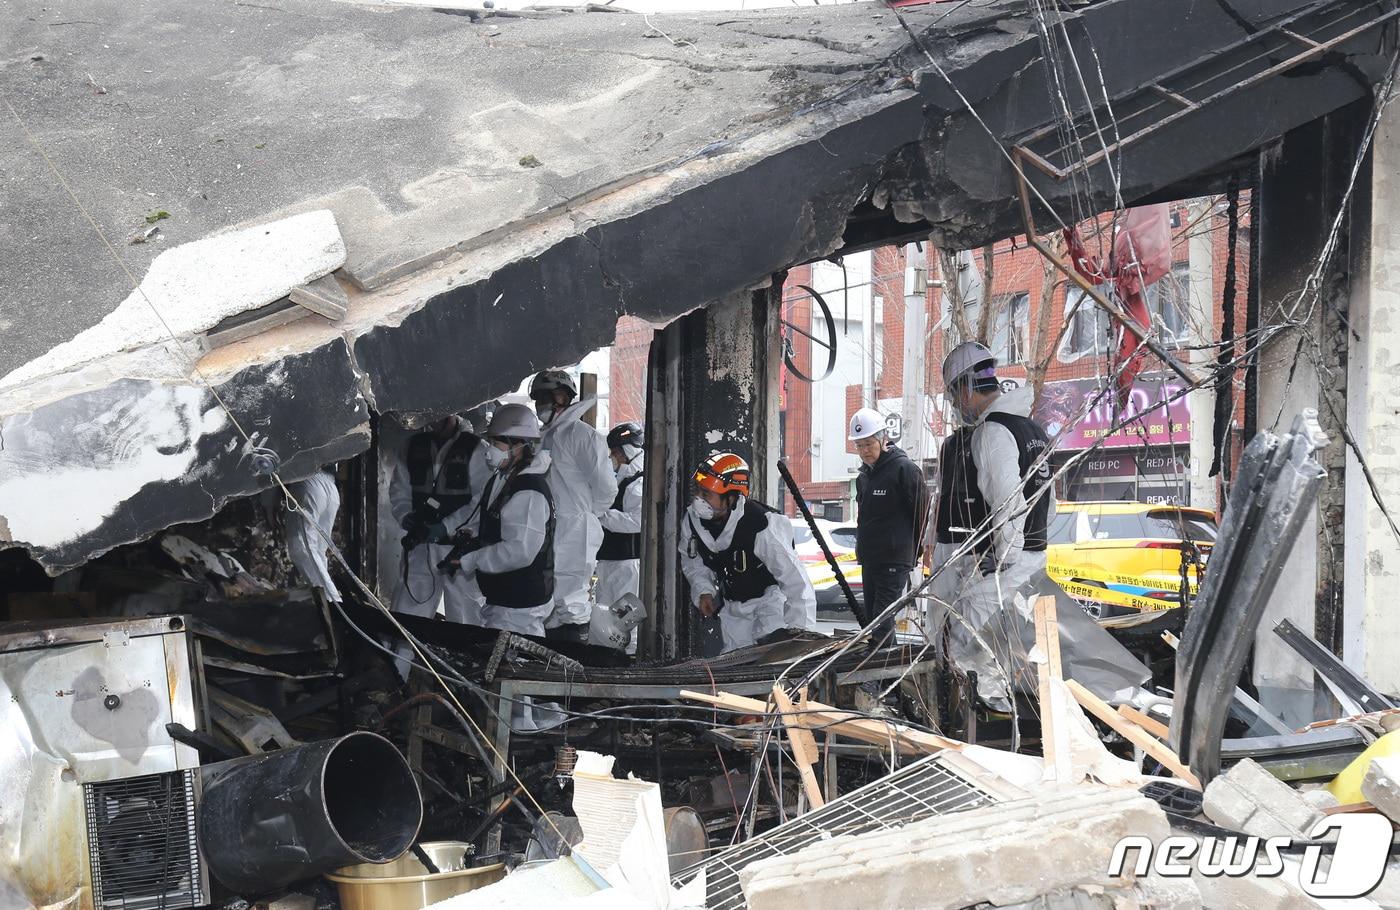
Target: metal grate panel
column 922, row 790
column 143, row 847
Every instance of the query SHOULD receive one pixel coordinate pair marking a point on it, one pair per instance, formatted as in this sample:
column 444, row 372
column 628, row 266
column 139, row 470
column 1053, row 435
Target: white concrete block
column 1320, row 798
column 1252, row 893
column 1381, row 786
column 1002, row 854
column 1248, row 798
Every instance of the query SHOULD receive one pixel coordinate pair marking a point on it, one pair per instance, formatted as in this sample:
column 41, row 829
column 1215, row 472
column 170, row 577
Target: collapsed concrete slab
column 1052, row 845
column 507, row 188
column 190, row 289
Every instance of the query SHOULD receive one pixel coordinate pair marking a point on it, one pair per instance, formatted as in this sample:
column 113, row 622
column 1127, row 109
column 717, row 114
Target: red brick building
column 627, row 380
column 869, row 294
column 1146, row 460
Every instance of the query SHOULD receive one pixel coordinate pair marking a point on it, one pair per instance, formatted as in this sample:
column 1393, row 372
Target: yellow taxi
column 1128, row 557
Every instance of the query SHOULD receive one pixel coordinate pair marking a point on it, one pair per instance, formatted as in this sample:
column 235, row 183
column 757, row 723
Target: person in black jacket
column 891, row 503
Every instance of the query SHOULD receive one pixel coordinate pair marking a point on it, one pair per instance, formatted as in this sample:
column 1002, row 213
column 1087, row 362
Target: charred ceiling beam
column 447, row 307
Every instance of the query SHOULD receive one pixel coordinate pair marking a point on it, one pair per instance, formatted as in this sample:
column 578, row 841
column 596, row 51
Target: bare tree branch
column 952, row 291
column 1042, row 346
column 987, row 318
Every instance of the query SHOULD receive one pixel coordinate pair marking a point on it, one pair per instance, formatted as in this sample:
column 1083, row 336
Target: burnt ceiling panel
column 504, row 189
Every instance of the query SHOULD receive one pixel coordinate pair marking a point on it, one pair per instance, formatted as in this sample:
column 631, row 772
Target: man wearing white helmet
column 584, row 488
column 511, row 549
column 891, row 503
column 993, row 493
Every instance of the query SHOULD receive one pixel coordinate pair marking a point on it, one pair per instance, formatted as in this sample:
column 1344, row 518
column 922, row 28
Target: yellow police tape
column 1072, row 579
column 1115, row 598
column 1156, row 583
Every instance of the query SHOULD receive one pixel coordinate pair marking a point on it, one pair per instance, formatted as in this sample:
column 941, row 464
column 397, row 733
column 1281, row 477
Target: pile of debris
column 259, row 741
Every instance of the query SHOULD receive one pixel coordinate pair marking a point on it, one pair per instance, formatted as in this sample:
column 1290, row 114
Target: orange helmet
column 723, row 473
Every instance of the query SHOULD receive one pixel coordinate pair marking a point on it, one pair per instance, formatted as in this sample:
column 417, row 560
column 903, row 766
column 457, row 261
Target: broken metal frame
column 1319, row 754
column 857, row 609
column 509, row 691
column 1275, row 491
column 1344, row 681
column 1312, row 50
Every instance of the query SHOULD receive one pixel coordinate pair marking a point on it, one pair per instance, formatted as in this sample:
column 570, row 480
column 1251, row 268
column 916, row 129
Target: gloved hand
column 462, row 543
column 413, row 530
column 989, row 564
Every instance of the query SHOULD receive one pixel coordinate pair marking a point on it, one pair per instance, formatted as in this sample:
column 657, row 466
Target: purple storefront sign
column 1078, row 413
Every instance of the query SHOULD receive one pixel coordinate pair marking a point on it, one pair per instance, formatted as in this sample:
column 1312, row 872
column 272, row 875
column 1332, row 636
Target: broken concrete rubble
column 1247, row 891
column 1247, row 798
column 1381, row 786
column 1003, row 854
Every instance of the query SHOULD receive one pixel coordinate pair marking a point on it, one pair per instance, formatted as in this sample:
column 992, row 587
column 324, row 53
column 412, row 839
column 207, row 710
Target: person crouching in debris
column 992, row 468
column 742, row 553
column 509, row 547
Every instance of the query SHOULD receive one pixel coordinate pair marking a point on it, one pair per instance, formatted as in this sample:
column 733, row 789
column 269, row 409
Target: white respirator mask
column 702, row 509
column 496, row 458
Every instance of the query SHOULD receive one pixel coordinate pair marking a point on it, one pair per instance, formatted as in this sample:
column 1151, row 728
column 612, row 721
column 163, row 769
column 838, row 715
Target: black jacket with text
column 893, row 504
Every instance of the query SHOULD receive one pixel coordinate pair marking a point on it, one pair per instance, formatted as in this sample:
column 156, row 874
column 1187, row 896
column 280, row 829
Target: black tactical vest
column 961, row 508
column 618, row 545
column 740, row 573
column 532, row 585
column 449, row 485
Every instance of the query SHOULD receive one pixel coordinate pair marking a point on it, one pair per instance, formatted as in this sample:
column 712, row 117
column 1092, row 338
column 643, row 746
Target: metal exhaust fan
column 98, row 801
column 142, row 843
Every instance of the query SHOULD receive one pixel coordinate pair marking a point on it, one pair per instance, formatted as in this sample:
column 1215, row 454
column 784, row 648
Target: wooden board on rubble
column 843, row 723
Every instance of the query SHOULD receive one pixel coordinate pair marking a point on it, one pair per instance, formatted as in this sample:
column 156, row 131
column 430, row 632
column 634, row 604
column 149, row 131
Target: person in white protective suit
column 619, row 558
column 433, row 490
column 582, row 482
column 512, row 551
column 739, row 559
column 993, row 509
column 309, row 529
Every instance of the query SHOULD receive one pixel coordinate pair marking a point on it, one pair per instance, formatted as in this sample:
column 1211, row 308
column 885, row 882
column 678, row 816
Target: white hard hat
column 514, row 421
column 546, row 381
column 865, row 423
column 963, row 359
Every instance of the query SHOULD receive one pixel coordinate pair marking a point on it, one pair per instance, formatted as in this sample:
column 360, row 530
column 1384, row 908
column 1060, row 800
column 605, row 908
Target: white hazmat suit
column 582, row 483
column 791, row 603
column 309, row 529
column 980, row 599
column 422, row 586
column 622, row 576
column 524, row 526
